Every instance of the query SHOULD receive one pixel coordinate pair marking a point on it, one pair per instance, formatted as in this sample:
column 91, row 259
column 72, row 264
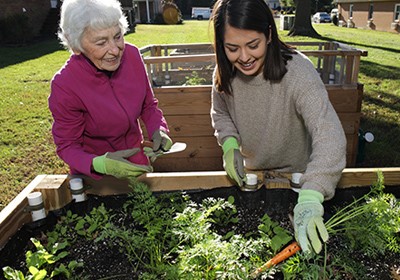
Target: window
column 351, row 11
column 371, row 11
column 397, row 12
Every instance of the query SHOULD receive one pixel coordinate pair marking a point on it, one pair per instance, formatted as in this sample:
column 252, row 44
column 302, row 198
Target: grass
column 26, row 145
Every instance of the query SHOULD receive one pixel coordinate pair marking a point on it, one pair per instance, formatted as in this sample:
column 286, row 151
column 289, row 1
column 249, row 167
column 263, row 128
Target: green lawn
column 26, row 147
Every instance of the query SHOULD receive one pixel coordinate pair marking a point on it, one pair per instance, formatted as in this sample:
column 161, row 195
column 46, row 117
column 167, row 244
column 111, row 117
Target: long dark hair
column 252, row 15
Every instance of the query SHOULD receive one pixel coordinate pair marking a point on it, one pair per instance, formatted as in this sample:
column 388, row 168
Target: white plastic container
column 36, row 206
column 77, row 189
column 251, row 184
column 295, row 181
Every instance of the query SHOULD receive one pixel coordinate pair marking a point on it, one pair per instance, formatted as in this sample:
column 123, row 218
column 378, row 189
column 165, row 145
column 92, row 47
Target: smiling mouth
column 111, row 60
column 247, row 66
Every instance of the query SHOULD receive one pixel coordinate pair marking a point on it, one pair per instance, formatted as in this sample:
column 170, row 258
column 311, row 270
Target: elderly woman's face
column 104, row 47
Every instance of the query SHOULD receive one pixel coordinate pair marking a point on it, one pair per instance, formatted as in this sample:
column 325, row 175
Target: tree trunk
column 302, row 22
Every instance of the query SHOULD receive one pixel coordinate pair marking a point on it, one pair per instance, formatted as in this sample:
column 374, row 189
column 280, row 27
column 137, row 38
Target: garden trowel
column 148, row 149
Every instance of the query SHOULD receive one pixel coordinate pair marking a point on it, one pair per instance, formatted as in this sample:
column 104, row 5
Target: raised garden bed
column 181, row 78
column 107, row 258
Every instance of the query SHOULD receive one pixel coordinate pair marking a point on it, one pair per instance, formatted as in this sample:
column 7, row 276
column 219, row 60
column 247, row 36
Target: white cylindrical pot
column 77, row 189
column 35, row 202
column 295, row 181
column 296, row 178
column 252, row 179
column 251, row 183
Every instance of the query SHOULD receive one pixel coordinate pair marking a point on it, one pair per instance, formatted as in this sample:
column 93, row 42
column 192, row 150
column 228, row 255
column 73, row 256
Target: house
column 145, row 11
column 383, row 15
column 22, row 20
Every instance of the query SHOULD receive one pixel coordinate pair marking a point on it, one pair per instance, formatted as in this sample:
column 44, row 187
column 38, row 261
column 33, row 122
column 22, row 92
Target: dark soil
column 102, row 260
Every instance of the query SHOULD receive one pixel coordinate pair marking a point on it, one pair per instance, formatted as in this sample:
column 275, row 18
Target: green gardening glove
column 309, row 227
column 117, row 165
column 233, row 161
column 161, row 141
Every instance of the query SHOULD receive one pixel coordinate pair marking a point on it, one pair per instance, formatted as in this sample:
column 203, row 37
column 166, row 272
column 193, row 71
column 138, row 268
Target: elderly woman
column 99, row 95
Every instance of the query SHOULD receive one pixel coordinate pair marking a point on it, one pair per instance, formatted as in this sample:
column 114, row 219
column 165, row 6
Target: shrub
column 15, row 29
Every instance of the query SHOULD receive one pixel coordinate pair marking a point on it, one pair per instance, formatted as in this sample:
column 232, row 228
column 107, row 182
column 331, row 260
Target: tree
column 302, row 22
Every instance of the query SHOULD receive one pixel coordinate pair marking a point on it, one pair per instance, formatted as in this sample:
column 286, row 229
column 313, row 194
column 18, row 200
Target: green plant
column 42, row 262
column 371, row 223
column 151, row 242
column 90, row 225
column 195, row 79
column 279, row 236
column 204, row 254
column 174, row 238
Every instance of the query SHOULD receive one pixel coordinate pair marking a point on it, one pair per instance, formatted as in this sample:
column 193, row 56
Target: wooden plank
column 184, row 104
column 13, row 216
column 205, row 46
column 351, row 177
column 345, row 99
column 350, row 122
column 55, row 191
column 352, row 147
column 356, row 69
column 356, row 177
column 187, row 180
column 351, row 159
column 188, row 164
column 327, row 53
column 164, row 181
column 349, row 68
column 180, row 58
column 204, row 89
column 360, row 88
column 197, row 147
column 190, row 125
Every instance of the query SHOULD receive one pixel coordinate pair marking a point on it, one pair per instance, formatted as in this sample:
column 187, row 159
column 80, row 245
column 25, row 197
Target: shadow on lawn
column 379, row 71
column 11, row 55
column 384, row 151
column 393, row 50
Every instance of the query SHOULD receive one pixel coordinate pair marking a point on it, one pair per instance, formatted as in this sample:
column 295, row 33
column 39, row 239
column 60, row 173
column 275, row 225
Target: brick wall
column 383, row 15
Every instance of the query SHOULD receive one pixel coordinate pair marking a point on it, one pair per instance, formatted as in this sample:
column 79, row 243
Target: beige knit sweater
column 289, row 126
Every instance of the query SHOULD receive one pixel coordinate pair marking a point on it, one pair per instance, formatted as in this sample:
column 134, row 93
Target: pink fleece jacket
column 95, row 113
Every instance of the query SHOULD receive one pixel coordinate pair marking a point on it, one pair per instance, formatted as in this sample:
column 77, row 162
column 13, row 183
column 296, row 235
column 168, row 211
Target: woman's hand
column 161, row 141
column 233, row 161
column 309, row 227
column 117, row 165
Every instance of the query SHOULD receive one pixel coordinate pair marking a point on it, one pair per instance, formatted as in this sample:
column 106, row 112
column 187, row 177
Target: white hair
column 78, row 15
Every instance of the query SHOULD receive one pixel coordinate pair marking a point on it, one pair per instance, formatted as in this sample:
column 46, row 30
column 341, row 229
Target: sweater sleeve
column 67, row 129
column 221, row 119
column 151, row 114
column 328, row 156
